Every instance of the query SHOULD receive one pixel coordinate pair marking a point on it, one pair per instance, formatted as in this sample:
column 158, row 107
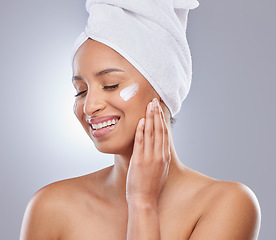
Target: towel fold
column 151, row 35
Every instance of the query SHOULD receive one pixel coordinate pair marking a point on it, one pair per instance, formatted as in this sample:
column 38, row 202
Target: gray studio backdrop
column 226, row 128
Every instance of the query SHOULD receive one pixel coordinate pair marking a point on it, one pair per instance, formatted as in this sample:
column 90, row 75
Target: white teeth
column 104, row 124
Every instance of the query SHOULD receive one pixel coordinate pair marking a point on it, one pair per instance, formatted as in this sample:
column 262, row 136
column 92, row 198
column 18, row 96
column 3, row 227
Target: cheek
column 77, row 108
column 129, row 92
column 135, row 108
column 144, row 95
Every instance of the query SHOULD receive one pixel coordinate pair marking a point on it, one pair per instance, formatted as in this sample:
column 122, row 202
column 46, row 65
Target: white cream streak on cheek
column 129, row 92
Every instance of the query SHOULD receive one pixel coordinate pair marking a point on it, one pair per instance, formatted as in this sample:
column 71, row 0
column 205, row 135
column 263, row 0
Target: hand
column 149, row 164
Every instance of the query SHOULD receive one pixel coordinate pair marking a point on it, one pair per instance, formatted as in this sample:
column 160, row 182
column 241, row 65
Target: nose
column 94, row 102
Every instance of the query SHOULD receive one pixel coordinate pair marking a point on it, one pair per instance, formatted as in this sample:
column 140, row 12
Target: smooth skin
column 148, row 193
column 150, row 161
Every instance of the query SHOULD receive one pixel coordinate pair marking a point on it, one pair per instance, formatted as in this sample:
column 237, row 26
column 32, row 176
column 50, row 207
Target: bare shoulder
column 54, row 205
column 230, row 210
column 233, row 191
column 47, row 210
column 234, row 198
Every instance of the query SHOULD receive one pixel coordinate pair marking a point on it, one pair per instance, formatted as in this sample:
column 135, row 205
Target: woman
column 125, row 105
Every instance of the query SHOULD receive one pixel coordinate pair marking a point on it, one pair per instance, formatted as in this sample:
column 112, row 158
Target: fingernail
column 150, row 107
column 142, row 121
column 155, row 102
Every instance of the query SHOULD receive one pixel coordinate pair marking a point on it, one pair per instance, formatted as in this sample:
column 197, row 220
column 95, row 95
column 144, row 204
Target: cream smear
column 129, row 92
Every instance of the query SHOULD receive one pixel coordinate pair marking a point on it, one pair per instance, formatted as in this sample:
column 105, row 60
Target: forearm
column 143, row 222
column 147, row 174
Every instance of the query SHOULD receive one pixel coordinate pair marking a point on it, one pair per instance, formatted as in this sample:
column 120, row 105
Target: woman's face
column 99, row 76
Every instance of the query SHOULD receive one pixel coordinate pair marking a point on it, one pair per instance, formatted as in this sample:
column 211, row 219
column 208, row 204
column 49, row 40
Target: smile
column 104, row 124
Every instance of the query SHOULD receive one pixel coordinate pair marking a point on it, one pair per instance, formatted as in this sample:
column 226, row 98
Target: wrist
column 140, row 204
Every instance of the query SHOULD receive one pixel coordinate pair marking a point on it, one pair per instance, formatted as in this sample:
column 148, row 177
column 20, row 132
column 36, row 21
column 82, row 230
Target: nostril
column 92, row 106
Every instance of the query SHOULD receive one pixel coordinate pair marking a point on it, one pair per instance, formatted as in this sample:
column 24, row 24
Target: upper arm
column 41, row 217
column 234, row 213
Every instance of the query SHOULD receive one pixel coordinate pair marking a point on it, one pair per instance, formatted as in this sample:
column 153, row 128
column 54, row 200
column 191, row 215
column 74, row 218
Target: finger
column 158, row 132
column 148, row 133
column 166, row 138
column 138, row 148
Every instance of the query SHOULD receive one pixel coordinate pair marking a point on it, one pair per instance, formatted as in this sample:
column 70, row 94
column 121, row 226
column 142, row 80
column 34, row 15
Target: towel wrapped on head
column 151, row 35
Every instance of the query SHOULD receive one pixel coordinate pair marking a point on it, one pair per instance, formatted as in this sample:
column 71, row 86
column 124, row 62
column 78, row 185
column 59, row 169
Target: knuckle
column 149, row 132
column 139, row 138
column 137, row 164
column 168, row 157
column 159, row 159
column 159, row 129
column 166, row 132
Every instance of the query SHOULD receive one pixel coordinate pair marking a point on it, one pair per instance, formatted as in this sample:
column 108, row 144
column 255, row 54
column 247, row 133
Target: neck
column 121, row 163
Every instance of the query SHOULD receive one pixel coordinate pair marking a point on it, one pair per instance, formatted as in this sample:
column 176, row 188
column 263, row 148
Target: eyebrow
column 108, row 71
column 74, row 78
column 101, row 73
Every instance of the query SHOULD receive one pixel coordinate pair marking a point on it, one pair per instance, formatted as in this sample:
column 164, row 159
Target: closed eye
column 80, row 93
column 105, row 87
column 111, row 87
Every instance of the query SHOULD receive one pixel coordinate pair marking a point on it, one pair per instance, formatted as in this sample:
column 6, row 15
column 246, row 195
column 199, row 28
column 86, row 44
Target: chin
column 113, row 148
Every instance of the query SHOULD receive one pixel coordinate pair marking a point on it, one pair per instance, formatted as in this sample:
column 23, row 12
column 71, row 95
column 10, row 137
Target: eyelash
column 111, row 87
column 80, row 93
column 105, row 87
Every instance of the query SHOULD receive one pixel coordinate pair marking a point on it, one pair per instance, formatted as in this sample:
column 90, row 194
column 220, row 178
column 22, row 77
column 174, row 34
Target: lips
column 102, row 125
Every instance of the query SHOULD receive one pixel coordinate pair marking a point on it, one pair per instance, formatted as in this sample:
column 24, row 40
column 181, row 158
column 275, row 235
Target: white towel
column 151, row 35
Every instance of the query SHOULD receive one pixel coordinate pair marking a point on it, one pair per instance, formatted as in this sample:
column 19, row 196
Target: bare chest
column 111, row 223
